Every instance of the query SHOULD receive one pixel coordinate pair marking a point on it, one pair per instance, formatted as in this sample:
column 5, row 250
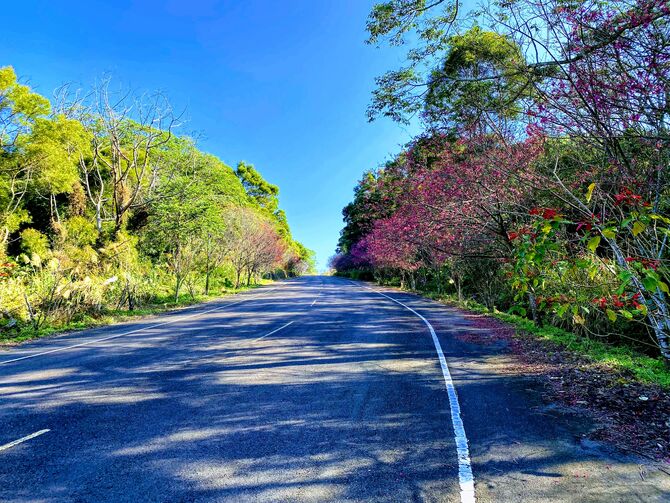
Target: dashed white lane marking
column 314, row 301
column 465, row 478
column 273, row 332
column 170, row 322
column 23, row 439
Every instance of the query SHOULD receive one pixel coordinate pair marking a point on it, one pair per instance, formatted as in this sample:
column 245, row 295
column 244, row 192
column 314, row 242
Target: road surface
column 313, row 389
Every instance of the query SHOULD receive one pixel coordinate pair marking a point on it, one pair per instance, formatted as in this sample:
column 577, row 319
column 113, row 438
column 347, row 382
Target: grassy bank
column 644, row 368
column 159, row 305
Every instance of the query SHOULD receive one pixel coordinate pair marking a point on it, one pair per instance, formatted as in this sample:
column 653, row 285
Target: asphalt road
column 313, row 389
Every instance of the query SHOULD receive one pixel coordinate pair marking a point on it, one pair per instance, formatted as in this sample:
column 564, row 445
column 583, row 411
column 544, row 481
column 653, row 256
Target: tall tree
column 262, row 192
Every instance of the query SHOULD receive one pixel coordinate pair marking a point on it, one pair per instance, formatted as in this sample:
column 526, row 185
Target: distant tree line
column 104, row 207
column 540, row 184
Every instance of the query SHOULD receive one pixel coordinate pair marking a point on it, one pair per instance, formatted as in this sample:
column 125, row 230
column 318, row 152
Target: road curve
column 313, row 389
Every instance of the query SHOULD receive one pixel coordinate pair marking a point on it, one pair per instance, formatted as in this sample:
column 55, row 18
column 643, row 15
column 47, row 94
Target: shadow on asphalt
column 347, row 403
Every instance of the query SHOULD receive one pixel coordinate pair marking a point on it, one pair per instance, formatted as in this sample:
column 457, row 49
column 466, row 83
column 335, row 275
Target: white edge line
column 273, row 332
column 23, row 439
column 87, row 343
column 465, row 478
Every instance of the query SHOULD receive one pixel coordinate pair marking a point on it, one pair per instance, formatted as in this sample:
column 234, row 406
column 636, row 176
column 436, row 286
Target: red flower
column 616, row 302
column 549, row 214
column 600, row 302
column 626, row 196
column 650, row 264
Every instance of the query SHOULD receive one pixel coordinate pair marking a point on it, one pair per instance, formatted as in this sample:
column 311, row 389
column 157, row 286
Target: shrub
column 34, row 242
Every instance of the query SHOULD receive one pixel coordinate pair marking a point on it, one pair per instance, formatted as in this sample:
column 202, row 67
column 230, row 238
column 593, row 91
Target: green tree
column 480, row 82
column 98, row 199
column 259, row 190
column 178, row 226
column 20, row 108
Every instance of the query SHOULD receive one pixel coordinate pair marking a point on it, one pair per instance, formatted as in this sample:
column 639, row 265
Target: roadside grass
column 644, row 368
column 160, row 304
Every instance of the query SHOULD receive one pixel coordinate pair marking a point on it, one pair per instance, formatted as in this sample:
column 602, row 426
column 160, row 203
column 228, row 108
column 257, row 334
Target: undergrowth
column 644, row 368
column 160, row 304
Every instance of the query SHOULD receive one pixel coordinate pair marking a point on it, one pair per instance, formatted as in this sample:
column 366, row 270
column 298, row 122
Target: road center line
column 169, row 322
column 273, row 332
column 23, row 439
column 465, row 478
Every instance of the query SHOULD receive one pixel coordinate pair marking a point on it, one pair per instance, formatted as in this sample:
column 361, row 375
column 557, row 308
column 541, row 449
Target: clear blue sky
column 283, row 85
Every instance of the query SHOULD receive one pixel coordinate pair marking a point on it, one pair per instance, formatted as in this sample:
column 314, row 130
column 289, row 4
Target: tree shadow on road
column 345, row 404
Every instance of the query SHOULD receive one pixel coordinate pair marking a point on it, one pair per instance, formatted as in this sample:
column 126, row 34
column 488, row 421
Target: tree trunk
column 661, row 325
column 207, row 269
column 3, row 242
column 177, row 287
column 658, row 315
column 129, row 293
column 532, row 302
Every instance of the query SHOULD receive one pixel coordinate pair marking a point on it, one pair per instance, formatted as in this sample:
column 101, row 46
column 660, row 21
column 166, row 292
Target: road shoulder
column 530, row 439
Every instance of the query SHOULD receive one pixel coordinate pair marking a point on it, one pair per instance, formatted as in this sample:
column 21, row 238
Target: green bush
column 80, row 231
column 34, row 242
